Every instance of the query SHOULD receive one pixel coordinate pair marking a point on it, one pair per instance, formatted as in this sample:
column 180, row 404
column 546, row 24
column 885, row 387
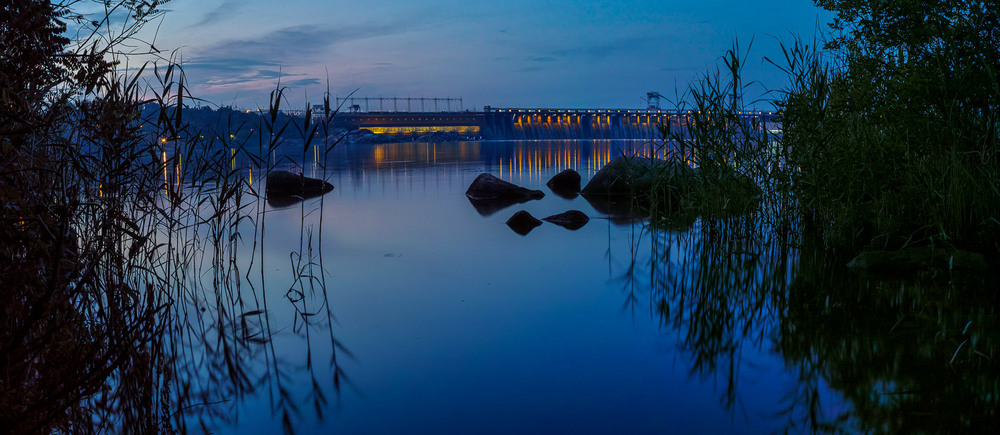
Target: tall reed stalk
column 128, row 305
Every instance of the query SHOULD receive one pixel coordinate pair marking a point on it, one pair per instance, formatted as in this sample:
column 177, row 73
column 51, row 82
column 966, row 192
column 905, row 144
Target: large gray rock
column 488, row 187
column 287, row 184
column 638, row 177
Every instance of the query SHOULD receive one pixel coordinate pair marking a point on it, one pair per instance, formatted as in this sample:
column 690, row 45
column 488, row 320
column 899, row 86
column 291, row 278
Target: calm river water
column 393, row 305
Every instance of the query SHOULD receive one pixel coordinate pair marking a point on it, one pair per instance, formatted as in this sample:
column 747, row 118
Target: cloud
column 231, row 65
column 304, row 82
column 284, row 45
column 254, row 76
column 237, row 71
column 259, row 60
column 223, row 11
column 605, row 49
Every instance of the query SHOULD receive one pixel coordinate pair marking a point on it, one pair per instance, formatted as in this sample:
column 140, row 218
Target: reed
column 127, row 306
column 893, row 132
column 887, row 139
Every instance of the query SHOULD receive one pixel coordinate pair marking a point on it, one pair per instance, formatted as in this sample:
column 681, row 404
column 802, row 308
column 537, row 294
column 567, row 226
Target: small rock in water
column 572, row 220
column 284, row 183
column 565, row 184
column 285, row 188
column 523, row 222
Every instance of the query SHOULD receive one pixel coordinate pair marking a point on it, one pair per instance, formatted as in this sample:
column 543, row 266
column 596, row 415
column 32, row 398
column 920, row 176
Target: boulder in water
column 565, row 184
column 286, row 188
column 523, row 222
column 572, row 220
column 634, row 176
column 489, row 187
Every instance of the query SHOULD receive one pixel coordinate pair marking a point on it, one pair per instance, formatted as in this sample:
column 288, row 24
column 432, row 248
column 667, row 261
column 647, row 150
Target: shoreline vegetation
column 890, row 139
column 890, row 142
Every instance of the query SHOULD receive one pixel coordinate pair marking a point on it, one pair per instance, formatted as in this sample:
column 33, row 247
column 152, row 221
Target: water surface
column 394, row 305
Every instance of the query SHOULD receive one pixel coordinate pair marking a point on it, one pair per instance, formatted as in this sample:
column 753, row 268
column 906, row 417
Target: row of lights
column 578, row 111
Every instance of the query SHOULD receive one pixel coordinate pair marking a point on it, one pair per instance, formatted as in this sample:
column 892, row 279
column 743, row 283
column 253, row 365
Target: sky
column 510, row 53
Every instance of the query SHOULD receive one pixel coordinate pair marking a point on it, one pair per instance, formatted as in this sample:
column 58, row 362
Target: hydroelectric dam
column 396, row 116
column 495, row 123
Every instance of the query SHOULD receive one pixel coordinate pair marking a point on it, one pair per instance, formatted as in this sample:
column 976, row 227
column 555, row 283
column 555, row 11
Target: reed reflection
column 240, row 297
column 869, row 355
column 909, row 356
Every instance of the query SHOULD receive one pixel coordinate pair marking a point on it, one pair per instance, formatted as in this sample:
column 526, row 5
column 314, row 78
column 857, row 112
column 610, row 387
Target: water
column 435, row 317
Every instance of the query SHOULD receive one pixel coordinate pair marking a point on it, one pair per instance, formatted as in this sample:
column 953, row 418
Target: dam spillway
column 530, row 123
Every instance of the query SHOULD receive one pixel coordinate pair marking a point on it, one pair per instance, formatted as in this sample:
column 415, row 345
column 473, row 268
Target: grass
column 865, row 159
column 126, row 306
column 880, row 163
column 123, row 228
column 881, row 148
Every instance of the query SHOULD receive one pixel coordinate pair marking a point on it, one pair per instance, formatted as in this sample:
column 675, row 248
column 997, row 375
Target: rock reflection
column 282, row 201
column 489, row 207
column 619, row 211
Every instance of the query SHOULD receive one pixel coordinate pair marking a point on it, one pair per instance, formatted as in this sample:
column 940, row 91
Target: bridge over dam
column 530, row 124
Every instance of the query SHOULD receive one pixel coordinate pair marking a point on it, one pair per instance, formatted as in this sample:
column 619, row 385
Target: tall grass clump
column 728, row 140
column 128, row 304
column 76, row 313
column 893, row 130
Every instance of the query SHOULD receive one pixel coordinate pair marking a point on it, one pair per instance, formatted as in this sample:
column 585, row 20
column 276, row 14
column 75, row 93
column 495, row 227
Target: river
column 393, row 305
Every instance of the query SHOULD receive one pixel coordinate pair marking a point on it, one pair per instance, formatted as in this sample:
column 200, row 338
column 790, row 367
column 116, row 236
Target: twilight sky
column 510, row 53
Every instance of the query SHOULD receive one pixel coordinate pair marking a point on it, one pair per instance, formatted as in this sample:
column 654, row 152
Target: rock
column 637, row 177
column 573, row 219
column 565, row 184
column 523, row 222
column 285, row 188
column 910, row 260
column 488, row 187
column 621, row 211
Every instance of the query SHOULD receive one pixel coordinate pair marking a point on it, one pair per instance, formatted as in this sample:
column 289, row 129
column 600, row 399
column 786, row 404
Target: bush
column 894, row 139
column 72, row 318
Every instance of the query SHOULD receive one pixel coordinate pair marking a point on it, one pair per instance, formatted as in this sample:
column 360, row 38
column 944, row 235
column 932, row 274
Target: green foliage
column 724, row 139
column 894, row 139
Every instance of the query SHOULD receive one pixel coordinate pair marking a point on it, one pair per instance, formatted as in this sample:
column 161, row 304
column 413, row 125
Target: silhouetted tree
column 66, row 328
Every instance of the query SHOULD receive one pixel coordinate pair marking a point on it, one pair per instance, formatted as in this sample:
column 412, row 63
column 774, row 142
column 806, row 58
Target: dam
column 506, row 123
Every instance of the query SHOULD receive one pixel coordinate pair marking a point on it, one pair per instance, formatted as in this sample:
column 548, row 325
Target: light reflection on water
column 450, row 322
